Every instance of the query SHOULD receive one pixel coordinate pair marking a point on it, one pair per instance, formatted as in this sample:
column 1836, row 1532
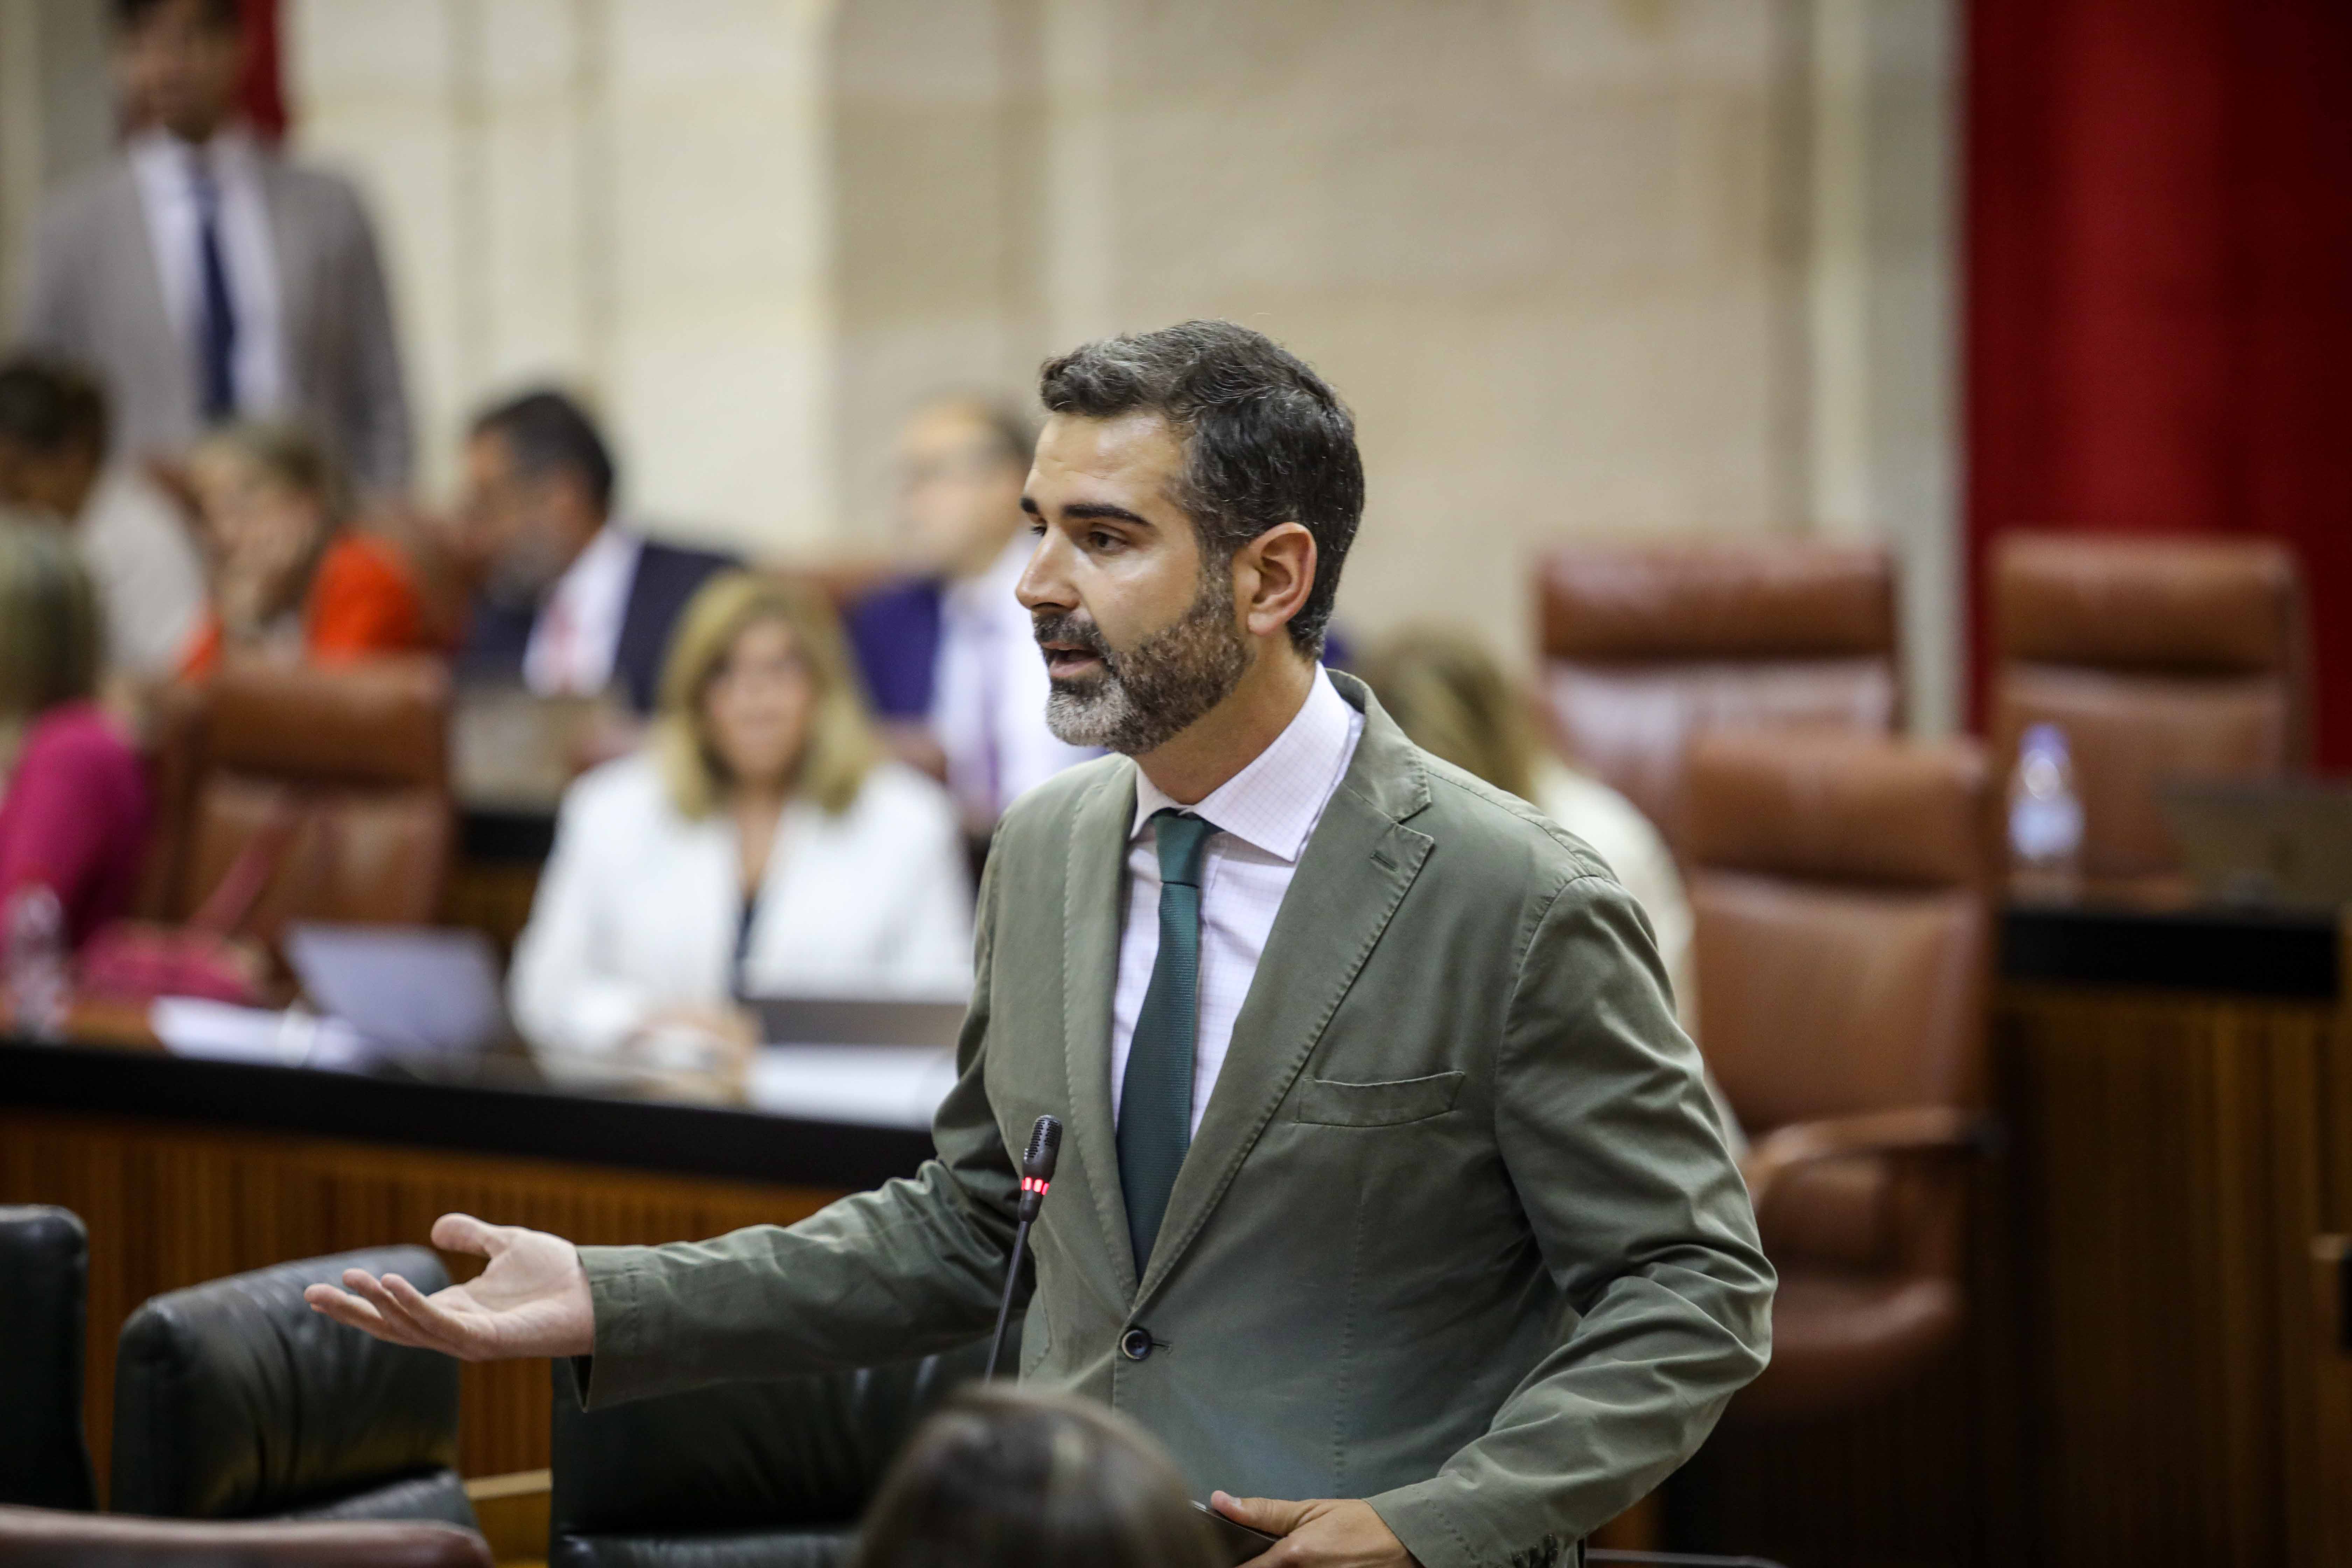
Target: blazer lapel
column 147, row 319
column 1094, row 881
column 1354, row 873
column 290, row 245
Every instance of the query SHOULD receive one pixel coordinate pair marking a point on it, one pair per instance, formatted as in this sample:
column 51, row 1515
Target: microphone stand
column 1036, row 1176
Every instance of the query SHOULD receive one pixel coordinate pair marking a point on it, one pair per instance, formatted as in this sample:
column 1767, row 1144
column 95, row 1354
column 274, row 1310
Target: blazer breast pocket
column 1324, row 1103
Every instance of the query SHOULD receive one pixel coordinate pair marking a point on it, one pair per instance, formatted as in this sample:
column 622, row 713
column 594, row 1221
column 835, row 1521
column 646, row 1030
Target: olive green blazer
column 1458, row 1235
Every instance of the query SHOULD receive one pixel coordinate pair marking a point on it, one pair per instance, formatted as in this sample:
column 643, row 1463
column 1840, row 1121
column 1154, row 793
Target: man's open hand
column 1322, row 1532
column 532, row 1301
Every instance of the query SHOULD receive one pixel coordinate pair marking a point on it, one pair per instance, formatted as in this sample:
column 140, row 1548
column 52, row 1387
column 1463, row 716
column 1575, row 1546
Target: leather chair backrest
column 2159, row 657
column 1645, row 647
column 777, row 1473
column 41, row 1538
column 356, row 755
column 234, row 1400
column 1839, row 894
column 44, row 1276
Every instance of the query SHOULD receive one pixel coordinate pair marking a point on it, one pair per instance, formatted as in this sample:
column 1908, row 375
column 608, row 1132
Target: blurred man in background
column 572, row 602
column 950, row 653
column 205, row 280
column 150, row 582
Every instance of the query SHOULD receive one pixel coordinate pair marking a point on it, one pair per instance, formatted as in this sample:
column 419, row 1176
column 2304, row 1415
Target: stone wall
column 1585, row 267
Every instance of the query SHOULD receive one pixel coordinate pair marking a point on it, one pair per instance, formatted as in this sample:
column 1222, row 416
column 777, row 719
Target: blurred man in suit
column 949, row 653
column 208, row 280
column 1391, row 1187
column 574, row 602
column 128, row 532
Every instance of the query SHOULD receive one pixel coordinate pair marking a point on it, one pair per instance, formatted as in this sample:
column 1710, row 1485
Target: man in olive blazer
column 1455, row 1264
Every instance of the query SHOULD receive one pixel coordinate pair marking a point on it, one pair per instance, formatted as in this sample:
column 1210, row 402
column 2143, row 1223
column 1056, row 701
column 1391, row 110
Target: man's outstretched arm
column 911, row 1267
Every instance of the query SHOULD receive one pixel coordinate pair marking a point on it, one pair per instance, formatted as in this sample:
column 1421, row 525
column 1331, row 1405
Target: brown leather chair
column 1645, row 647
column 43, row 1538
column 1839, row 894
column 2159, row 657
column 347, row 765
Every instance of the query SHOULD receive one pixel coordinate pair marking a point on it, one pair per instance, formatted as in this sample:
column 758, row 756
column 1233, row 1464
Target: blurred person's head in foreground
column 1196, row 490
column 758, row 699
column 179, row 63
column 49, row 631
column 1451, row 698
column 52, row 436
column 1005, row 1479
column 961, row 462
column 539, row 486
column 270, row 500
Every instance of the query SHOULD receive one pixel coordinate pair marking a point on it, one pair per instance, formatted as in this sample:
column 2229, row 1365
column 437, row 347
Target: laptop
column 417, row 995
column 2270, row 843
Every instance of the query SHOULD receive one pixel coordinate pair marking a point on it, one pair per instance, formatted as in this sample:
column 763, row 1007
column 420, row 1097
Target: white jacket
column 638, row 907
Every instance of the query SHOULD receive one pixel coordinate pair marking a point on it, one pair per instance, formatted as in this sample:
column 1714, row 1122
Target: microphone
column 1037, row 1165
column 1036, row 1176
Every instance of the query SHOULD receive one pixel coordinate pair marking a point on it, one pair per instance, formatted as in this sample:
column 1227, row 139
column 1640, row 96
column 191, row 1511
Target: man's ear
column 1273, row 575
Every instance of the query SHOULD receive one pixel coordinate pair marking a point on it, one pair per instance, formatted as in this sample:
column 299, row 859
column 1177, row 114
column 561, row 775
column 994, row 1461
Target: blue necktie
column 1155, row 1109
column 217, row 313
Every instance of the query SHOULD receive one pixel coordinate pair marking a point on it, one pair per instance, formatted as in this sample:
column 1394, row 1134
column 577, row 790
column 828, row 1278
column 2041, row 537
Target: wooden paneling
column 2144, row 1383
column 2331, row 1284
column 169, row 1206
column 2175, row 1156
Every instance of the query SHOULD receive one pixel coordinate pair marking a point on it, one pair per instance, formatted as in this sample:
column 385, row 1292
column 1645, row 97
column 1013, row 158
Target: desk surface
column 477, row 1117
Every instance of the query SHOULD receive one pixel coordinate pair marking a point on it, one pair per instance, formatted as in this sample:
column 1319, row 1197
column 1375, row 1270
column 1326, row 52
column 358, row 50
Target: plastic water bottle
column 39, row 986
column 2045, row 815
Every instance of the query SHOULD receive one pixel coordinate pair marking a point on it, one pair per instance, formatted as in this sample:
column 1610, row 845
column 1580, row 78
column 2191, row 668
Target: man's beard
column 1142, row 699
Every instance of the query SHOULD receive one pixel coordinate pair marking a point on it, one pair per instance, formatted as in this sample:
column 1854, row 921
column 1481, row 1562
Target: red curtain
column 264, row 91
column 2158, row 327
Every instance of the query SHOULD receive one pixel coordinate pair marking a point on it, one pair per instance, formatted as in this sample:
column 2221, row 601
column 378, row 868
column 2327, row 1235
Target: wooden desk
column 2140, row 1385
column 2178, row 1090
column 186, row 1171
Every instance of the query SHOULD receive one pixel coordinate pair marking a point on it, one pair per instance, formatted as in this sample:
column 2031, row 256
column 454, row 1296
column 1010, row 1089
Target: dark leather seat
column 356, row 755
column 234, row 1400
column 771, row 1473
column 43, row 1538
column 1645, row 647
column 2158, row 658
column 1839, row 890
column 43, row 1275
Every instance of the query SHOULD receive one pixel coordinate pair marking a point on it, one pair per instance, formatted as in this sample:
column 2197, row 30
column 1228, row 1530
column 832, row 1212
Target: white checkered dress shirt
column 1263, row 814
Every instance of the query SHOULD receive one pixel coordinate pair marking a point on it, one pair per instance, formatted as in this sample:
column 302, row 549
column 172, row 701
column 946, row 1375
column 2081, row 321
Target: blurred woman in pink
column 74, row 808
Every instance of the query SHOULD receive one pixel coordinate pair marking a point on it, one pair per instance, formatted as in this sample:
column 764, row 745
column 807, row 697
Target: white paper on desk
column 872, row 1086
column 216, row 1031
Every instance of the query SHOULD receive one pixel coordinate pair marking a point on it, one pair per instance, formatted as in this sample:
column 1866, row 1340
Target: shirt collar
column 605, row 561
column 1274, row 803
column 162, row 158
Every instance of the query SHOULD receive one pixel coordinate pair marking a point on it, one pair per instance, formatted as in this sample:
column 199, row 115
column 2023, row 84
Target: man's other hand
column 532, row 1301
column 1322, row 1532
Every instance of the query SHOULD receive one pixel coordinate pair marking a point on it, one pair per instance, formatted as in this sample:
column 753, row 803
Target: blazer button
column 1135, row 1344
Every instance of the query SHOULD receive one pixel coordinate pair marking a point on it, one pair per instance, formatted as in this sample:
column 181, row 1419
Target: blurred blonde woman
column 758, row 844
column 1449, row 695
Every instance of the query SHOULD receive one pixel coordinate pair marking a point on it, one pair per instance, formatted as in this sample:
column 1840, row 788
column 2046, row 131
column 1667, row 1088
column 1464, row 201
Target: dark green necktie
column 1155, row 1107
